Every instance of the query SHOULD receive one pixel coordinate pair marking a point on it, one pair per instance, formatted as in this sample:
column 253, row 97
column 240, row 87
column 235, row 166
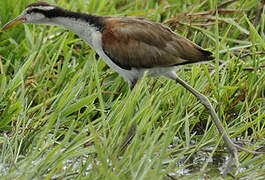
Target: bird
column 131, row 46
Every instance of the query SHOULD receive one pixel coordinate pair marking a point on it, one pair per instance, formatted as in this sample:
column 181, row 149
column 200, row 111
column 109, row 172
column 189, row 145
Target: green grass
column 65, row 114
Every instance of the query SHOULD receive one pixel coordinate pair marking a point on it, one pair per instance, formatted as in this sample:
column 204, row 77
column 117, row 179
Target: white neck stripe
column 42, row 7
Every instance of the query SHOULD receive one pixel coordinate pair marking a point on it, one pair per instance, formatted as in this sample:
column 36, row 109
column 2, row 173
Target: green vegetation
column 65, row 114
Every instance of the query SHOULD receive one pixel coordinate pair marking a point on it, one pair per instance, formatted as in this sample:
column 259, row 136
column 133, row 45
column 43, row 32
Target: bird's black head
column 41, row 13
column 45, row 13
column 37, row 13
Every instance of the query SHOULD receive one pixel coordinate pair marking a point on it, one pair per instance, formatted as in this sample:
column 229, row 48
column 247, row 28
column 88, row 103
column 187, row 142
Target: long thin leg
column 129, row 137
column 132, row 130
column 132, row 83
column 205, row 101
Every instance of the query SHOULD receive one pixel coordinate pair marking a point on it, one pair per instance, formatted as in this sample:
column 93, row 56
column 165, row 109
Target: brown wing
column 135, row 42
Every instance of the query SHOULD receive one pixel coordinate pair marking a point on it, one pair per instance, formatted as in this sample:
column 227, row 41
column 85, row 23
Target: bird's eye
column 29, row 11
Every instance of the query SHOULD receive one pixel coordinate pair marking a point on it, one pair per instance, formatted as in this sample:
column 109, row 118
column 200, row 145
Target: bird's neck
column 84, row 25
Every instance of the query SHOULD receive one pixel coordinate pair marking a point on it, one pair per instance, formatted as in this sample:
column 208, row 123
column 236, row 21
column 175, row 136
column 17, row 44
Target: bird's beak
column 18, row 20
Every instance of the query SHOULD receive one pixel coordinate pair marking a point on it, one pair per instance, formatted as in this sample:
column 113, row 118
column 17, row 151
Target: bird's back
column 137, row 42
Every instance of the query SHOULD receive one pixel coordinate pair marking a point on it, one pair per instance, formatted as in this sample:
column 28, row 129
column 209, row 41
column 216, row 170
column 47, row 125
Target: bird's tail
column 207, row 55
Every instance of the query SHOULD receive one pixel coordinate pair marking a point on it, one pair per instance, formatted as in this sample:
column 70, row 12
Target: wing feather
column 134, row 42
